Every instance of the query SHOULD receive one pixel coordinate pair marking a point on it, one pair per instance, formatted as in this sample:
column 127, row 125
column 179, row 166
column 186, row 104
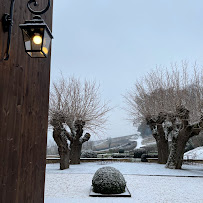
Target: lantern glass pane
column 46, row 42
column 27, row 40
column 37, row 39
column 35, row 46
column 33, row 38
column 36, row 54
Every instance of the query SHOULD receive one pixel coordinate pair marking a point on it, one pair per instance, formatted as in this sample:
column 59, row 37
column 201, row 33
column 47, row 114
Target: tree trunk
column 64, row 158
column 177, row 150
column 162, row 146
column 75, row 153
column 156, row 126
column 171, row 163
column 63, row 149
column 76, row 141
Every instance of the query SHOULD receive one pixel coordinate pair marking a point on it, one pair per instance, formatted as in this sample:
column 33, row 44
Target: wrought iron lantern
column 36, row 34
column 37, row 37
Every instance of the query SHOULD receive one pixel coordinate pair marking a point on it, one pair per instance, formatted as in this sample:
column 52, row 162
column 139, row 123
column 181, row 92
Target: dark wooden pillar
column 24, row 93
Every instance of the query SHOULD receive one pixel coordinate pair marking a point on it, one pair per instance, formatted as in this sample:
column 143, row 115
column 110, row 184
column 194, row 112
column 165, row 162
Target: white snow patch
column 196, row 153
column 138, row 139
column 139, row 142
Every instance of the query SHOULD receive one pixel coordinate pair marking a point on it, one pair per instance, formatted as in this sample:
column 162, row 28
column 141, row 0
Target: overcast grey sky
column 116, row 42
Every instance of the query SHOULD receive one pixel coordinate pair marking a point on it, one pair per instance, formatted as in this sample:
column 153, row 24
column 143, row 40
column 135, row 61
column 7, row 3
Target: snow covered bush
column 116, row 155
column 121, row 151
column 88, row 154
column 145, row 156
column 138, row 152
column 108, row 180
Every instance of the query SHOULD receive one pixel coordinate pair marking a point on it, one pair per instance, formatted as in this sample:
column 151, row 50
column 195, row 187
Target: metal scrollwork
column 7, row 22
column 36, row 4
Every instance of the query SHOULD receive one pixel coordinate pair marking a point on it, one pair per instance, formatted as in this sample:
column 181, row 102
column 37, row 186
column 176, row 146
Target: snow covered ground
column 147, row 182
column 196, row 153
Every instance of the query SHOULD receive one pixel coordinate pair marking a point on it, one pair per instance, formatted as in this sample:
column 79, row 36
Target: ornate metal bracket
column 36, row 4
column 7, row 22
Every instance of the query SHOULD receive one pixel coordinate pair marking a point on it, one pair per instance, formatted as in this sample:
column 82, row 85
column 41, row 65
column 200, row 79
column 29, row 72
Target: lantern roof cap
column 37, row 21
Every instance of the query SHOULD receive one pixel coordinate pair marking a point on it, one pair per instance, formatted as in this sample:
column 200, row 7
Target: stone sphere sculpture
column 108, row 180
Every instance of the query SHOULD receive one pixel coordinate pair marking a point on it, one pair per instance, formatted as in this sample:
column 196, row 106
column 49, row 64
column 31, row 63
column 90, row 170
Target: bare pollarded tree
column 79, row 106
column 181, row 130
column 158, row 98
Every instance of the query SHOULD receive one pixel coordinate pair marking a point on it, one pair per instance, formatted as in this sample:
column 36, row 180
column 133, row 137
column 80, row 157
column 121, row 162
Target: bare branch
column 78, row 101
column 163, row 90
column 85, row 138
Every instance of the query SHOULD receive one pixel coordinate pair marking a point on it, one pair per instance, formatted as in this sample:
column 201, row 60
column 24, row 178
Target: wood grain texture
column 24, row 96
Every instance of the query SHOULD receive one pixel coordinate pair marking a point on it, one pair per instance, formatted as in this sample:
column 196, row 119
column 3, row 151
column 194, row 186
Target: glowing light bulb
column 45, row 50
column 37, row 39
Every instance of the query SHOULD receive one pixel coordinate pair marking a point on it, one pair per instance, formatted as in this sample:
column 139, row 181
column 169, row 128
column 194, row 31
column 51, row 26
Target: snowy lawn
column 147, row 182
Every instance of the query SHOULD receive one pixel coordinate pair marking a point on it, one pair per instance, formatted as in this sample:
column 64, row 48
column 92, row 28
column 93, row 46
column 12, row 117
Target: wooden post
column 24, row 96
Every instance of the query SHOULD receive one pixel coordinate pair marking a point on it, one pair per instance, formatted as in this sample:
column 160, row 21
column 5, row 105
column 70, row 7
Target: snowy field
column 147, row 182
